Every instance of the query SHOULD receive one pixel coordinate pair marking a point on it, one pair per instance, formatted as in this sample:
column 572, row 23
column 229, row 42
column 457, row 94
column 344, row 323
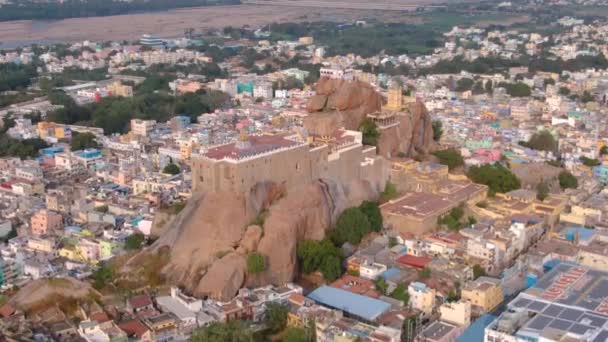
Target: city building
column 484, row 293
column 45, row 221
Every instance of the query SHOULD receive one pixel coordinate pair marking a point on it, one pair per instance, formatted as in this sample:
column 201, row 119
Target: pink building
column 45, row 220
column 486, row 156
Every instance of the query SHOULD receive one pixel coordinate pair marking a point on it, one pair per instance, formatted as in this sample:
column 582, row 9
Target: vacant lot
column 167, row 24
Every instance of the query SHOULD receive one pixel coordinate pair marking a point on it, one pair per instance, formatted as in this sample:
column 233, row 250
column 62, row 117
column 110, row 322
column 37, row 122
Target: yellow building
column 422, row 297
column 485, row 294
column 306, row 40
column 118, row 89
column 51, row 129
column 581, row 215
column 458, row 313
column 70, row 253
column 395, row 99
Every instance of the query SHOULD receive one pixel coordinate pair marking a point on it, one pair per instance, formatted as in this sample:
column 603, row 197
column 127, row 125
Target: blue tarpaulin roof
column 391, row 272
column 354, row 304
column 475, row 332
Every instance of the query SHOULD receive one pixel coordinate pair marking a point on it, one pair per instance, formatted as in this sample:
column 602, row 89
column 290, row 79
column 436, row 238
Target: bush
column 370, row 132
column 296, row 335
column 256, row 263
column 450, row 157
column 567, row 180
column 437, row 130
column 234, row 330
column 134, row 241
column 478, row 271
column 102, row 276
column 276, row 317
column 389, row 193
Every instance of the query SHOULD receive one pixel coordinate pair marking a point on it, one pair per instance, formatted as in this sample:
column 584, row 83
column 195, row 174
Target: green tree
column 171, row 169
column 352, row 226
column 276, row 317
column 331, row 267
column 589, row 162
column 321, row 256
column 548, row 81
column 587, row 97
column 604, row 150
column 400, row 293
column 564, row 91
column 453, row 296
column 478, row 271
column 437, row 130
column 256, row 263
column 488, row 87
column 392, row 242
column 370, row 132
column 518, row 89
column 233, row 331
column 102, row 276
column 424, row 273
column 134, row 241
column 296, row 335
column 496, row 177
column 409, row 329
column 567, row 180
column 464, row 84
column 374, row 216
column 382, row 286
column 543, row 141
column 450, row 157
column 81, row 141
column 542, row 191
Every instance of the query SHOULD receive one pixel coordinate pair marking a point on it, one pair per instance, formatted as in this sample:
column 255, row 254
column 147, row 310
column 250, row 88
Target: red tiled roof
column 414, row 261
column 140, row 301
column 257, row 144
column 134, row 328
column 100, row 317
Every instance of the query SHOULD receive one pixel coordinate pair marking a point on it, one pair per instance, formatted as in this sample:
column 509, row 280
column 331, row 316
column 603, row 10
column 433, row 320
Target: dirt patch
column 172, row 23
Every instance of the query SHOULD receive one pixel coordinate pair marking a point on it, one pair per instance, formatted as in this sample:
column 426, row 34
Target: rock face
column 210, row 239
column 413, row 135
column 339, row 103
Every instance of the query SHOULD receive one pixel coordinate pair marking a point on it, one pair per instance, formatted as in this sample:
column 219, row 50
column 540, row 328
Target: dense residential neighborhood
column 251, row 185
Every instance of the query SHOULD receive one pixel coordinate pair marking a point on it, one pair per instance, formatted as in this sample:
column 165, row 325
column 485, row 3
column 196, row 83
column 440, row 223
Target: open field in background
column 172, row 23
column 384, row 5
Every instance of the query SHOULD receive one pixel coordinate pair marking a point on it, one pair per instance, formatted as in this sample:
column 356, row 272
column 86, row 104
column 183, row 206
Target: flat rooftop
column 254, row 145
column 354, row 304
column 569, row 298
column 418, row 205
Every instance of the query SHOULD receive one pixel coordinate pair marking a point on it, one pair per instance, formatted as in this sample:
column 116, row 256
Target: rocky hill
column 210, row 239
column 339, row 103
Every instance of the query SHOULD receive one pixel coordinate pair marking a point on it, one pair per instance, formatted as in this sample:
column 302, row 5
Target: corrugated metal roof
column 354, row 304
